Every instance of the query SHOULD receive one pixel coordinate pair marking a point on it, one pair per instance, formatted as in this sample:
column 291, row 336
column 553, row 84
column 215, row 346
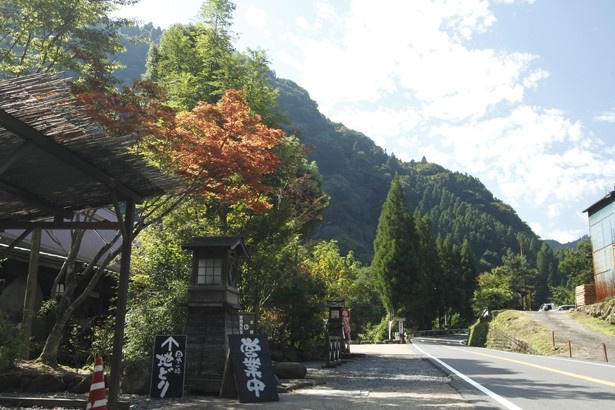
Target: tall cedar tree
column 396, row 266
column 430, row 267
column 468, row 281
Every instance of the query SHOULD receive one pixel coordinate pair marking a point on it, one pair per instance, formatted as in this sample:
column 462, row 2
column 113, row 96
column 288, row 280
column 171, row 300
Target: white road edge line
column 494, row 396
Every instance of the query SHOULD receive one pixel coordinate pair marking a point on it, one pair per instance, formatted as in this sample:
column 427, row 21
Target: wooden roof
column 609, row 198
column 54, row 161
column 234, row 243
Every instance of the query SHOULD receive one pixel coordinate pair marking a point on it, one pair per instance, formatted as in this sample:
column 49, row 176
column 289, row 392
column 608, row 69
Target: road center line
column 494, row 396
column 549, row 369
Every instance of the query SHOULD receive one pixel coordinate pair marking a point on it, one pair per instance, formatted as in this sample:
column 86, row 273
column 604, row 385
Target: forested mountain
column 357, row 175
column 137, row 41
column 555, row 245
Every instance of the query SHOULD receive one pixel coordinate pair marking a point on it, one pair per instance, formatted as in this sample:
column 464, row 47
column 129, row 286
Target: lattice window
column 209, row 272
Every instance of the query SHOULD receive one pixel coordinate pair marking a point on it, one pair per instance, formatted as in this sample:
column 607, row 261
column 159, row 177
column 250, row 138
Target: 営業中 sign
column 251, row 363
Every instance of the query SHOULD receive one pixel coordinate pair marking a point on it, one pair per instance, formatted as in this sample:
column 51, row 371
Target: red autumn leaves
column 221, row 150
column 225, row 149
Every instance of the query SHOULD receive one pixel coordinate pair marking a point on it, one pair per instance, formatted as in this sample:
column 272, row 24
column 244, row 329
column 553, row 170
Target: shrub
column 10, row 342
column 478, row 334
column 376, row 333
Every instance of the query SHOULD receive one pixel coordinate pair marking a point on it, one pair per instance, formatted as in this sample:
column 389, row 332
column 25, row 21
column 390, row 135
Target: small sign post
column 247, row 323
column 169, row 366
column 251, row 364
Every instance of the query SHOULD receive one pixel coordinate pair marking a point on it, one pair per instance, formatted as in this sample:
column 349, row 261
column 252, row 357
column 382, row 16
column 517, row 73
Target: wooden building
column 56, row 163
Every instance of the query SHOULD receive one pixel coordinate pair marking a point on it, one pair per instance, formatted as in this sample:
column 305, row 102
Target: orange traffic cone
column 98, row 396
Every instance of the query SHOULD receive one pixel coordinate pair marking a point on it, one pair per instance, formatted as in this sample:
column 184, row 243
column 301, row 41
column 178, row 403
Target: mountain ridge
column 357, row 174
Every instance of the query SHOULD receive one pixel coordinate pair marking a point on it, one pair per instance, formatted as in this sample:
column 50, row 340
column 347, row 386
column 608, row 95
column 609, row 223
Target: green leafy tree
column 159, row 285
column 337, row 272
column 576, row 265
column 275, row 237
column 396, row 265
column 58, row 35
column 198, row 63
column 494, row 291
column 365, row 304
column 507, row 286
column 296, row 308
column 546, row 265
column 521, row 277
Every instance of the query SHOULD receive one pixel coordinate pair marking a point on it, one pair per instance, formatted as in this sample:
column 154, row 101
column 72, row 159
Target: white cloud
column 162, row 13
column 607, row 116
column 412, row 48
column 256, row 17
column 410, row 75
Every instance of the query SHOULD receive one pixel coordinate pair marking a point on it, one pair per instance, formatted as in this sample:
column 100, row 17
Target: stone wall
column 604, row 310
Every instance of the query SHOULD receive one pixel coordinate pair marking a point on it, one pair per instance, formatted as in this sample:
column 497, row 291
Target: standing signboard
column 169, row 366
column 251, row 365
column 247, row 323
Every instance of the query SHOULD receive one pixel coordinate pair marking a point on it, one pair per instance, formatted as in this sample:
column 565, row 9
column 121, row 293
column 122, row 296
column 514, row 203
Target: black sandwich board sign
column 252, row 368
column 169, row 366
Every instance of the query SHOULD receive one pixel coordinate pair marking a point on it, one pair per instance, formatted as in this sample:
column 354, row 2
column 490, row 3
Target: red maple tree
column 221, row 150
column 225, row 149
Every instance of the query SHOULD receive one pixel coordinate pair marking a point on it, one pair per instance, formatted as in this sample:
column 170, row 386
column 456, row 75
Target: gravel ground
column 585, row 343
column 386, row 375
column 382, row 376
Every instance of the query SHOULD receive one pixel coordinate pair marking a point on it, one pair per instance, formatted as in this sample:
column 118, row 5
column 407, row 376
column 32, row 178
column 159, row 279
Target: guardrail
column 438, row 332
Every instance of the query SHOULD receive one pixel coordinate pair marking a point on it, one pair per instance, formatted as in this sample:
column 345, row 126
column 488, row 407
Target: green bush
column 478, row 334
column 10, row 342
column 376, row 333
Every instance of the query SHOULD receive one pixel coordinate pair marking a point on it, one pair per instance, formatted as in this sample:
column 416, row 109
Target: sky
column 517, row 93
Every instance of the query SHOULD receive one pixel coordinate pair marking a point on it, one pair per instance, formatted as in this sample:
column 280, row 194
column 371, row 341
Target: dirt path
column 585, row 343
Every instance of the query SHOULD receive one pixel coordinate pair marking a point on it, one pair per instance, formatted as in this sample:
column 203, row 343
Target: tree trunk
column 30, row 296
column 49, row 355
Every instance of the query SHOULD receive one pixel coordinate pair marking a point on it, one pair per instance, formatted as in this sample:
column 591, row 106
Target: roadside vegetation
column 309, row 202
column 514, row 330
column 598, row 323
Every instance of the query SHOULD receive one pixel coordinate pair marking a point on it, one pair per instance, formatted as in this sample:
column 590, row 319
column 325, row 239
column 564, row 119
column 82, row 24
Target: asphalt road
column 519, row 381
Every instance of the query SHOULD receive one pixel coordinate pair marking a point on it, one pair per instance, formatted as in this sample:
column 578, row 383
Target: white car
column 545, row 307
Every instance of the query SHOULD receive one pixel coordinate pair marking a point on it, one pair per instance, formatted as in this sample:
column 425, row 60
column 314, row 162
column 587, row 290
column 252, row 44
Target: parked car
column 545, row 307
column 566, row 307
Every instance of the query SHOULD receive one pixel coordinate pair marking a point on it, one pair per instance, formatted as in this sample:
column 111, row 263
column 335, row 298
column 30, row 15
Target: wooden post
column 30, row 295
column 606, row 357
column 122, row 297
column 553, row 338
column 570, row 348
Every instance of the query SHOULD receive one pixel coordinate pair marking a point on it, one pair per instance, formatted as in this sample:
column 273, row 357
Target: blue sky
column 519, row 94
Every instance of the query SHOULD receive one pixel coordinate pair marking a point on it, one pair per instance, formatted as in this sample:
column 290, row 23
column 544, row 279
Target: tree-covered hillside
column 357, row 175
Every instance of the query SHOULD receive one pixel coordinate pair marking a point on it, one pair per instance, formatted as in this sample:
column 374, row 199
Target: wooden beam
column 103, row 225
column 15, row 242
column 34, row 199
column 29, row 133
